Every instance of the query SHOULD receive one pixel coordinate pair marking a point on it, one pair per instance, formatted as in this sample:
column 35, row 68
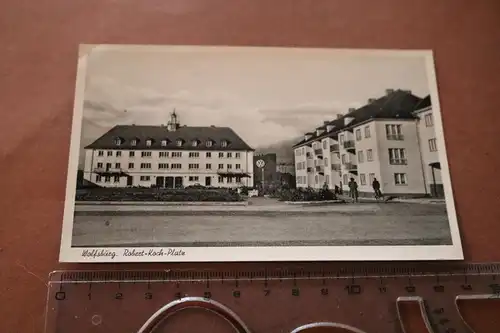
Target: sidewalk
column 423, row 201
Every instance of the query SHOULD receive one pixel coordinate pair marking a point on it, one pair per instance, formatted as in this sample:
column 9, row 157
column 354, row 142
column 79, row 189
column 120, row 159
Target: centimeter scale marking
column 358, row 298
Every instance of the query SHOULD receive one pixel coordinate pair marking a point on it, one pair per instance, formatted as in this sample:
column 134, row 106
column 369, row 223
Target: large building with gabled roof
column 391, row 138
column 169, row 156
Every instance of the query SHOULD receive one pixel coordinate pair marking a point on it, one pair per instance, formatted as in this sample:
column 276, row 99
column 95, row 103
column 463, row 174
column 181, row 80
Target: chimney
column 389, row 91
column 352, row 109
column 339, row 116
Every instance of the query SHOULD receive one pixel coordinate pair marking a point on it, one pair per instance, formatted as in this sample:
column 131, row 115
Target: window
column 149, row 142
column 369, row 155
column 146, row 154
column 358, row 134
column 367, row 132
column 118, row 153
column 145, row 178
column 432, row 145
column 362, row 179
column 193, row 178
column 164, row 154
column 108, row 166
column 177, row 154
column 100, row 153
column 194, row 154
column 238, row 166
column 229, row 180
column 145, row 165
column 345, row 179
column 238, row 179
column 341, row 139
column 325, row 144
column 117, row 165
column 131, row 153
column 164, row 143
column 179, row 142
column 194, row 143
column 344, row 159
column 110, row 153
column 117, row 179
column 221, row 179
column 237, row 155
column 209, row 155
column 229, row 155
column 393, row 132
column 176, row 166
column 107, row 179
column 400, row 179
column 229, row 166
column 223, row 143
column 303, row 150
column 118, row 141
column 372, row 177
column 98, row 178
column 131, row 165
column 209, row 143
column 361, row 156
column 193, row 166
column 163, row 166
column 221, row 166
column 208, row 166
column 221, row 155
column 397, row 156
column 99, row 165
column 429, row 121
column 133, row 142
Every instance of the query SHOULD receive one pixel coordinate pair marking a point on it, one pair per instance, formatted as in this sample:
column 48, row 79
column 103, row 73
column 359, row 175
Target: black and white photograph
column 220, row 153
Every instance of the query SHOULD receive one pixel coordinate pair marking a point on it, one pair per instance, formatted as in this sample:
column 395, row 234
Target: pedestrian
column 376, row 188
column 353, row 189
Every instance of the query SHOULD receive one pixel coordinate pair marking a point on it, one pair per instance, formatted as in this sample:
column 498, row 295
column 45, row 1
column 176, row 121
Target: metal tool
column 365, row 298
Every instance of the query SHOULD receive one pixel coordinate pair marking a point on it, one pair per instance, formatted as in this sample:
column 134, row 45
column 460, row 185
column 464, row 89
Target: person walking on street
column 376, row 188
column 353, row 189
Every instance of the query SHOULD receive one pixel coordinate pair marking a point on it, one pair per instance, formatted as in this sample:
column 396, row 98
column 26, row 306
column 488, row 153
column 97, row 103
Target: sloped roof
column 399, row 104
column 424, row 103
column 157, row 134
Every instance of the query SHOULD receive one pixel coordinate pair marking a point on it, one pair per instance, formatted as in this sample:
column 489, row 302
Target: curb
column 162, row 203
column 313, row 202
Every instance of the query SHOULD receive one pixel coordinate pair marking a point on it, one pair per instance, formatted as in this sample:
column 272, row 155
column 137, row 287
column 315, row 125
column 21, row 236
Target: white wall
column 368, row 167
column 427, row 133
column 245, row 160
column 413, row 169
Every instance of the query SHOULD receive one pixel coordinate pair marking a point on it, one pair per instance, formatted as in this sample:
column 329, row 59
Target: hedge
column 308, row 194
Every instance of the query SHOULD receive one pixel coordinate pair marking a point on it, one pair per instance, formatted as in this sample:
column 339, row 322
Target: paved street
column 265, row 222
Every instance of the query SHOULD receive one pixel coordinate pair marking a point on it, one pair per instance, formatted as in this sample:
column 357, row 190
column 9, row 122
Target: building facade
column 391, row 139
column 171, row 156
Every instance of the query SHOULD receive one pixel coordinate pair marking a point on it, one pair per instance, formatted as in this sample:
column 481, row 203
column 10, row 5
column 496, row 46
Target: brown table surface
column 38, row 53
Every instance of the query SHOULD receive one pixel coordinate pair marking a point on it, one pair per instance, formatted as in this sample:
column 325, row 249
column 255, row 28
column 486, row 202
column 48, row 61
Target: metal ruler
column 367, row 298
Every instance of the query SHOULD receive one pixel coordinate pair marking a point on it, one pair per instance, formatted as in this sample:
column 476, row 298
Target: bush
column 156, row 194
column 307, row 194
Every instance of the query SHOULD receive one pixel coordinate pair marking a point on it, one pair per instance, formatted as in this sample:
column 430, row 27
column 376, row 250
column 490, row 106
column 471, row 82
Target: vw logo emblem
column 260, row 163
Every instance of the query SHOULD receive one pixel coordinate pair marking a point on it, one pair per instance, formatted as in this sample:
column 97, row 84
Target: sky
column 265, row 95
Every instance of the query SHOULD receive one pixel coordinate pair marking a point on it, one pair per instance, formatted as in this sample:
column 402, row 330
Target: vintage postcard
column 198, row 153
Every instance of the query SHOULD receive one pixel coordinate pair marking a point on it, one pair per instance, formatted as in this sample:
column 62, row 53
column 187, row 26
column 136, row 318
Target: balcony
column 401, row 161
column 110, row 172
column 349, row 145
column 320, row 169
column 309, row 169
column 351, row 167
column 309, row 155
column 334, row 148
column 396, row 137
column 336, row 167
column 318, row 152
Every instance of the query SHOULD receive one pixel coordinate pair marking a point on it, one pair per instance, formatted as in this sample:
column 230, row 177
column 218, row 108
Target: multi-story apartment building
column 387, row 139
column 169, row 156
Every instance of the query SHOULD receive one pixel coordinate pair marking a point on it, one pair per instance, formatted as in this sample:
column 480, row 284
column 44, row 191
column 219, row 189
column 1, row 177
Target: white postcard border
column 277, row 253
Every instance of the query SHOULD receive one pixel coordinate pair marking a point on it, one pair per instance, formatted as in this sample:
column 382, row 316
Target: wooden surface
column 38, row 53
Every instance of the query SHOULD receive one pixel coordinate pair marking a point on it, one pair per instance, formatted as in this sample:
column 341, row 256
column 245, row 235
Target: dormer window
column 118, row 141
column 209, row 143
column 179, row 142
column 133, row 142
column 164, row 143
column 223, row 143
column 149, row 142
column 194, row 143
